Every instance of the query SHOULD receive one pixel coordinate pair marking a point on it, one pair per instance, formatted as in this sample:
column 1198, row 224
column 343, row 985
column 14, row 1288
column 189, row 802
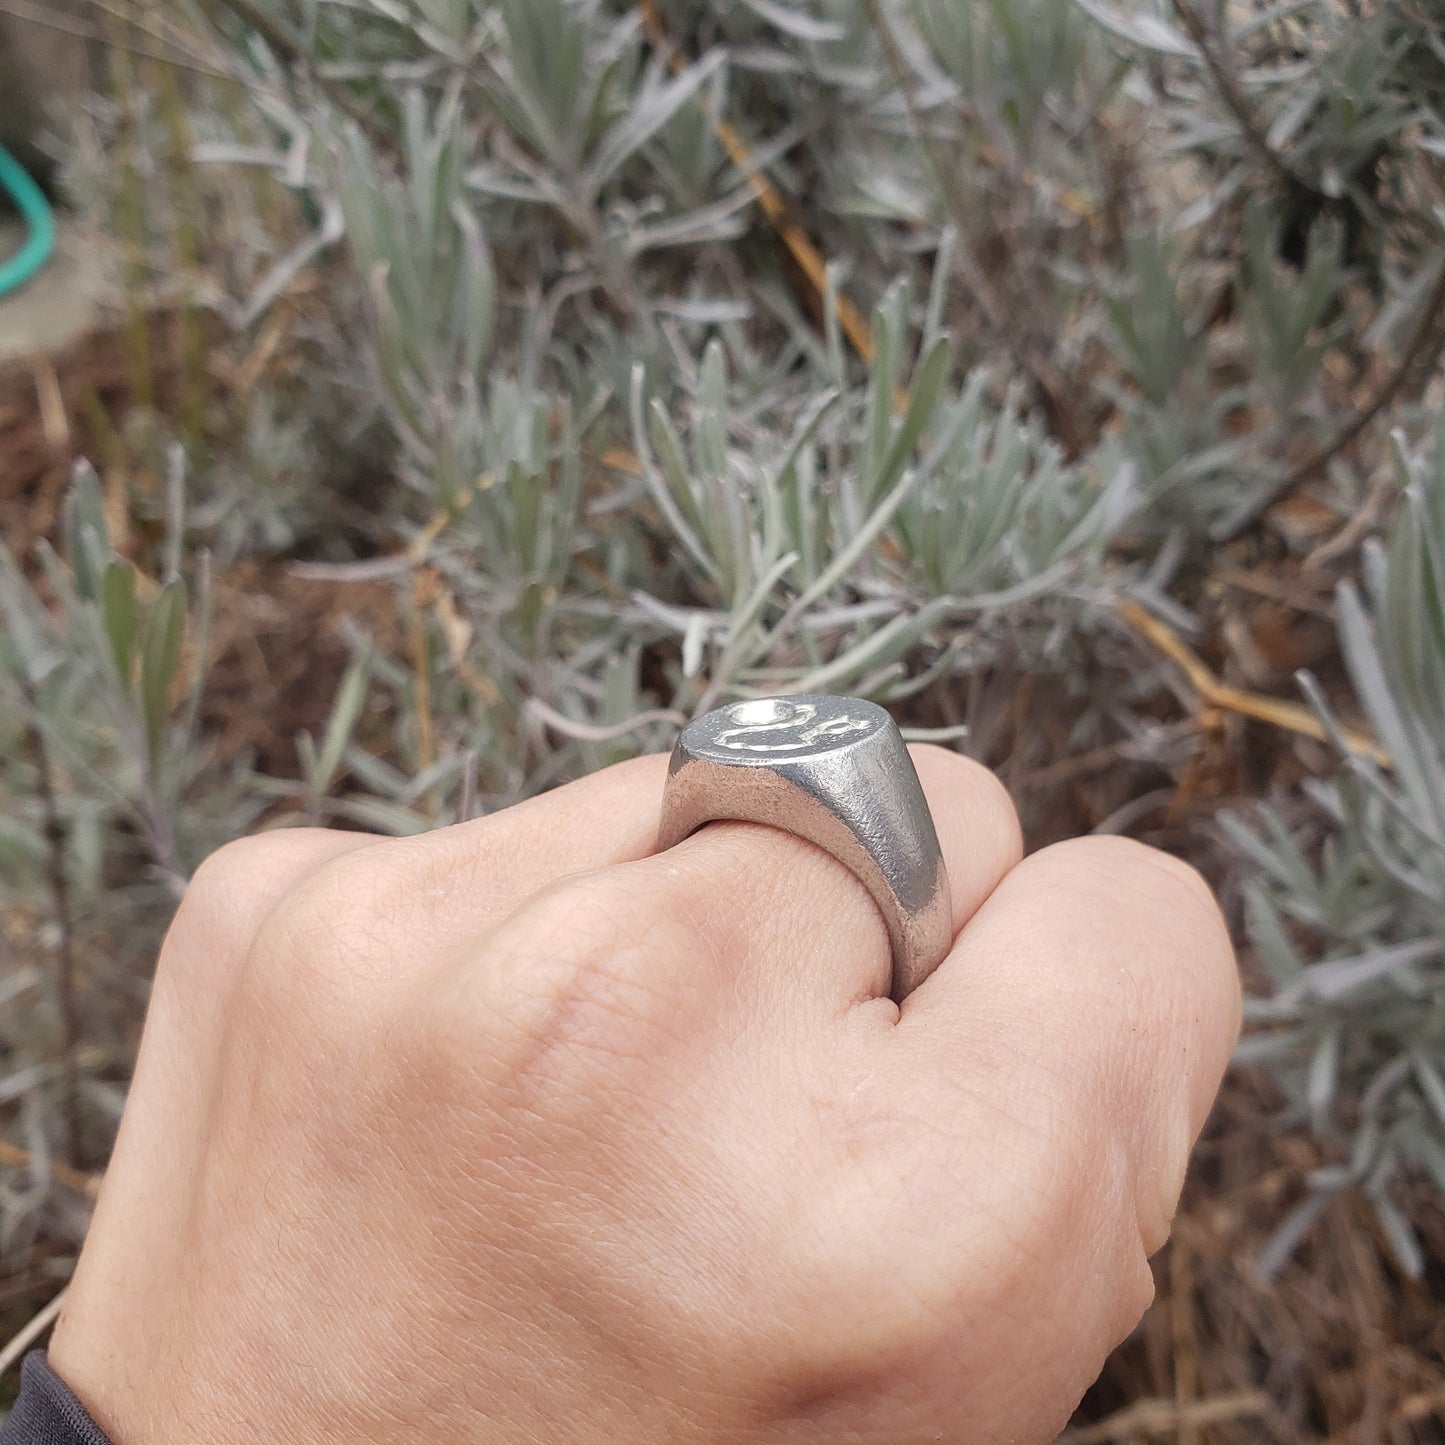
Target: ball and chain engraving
column 777, row 725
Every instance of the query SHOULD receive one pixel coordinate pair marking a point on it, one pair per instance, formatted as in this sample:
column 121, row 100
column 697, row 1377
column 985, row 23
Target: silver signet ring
column 833, row 770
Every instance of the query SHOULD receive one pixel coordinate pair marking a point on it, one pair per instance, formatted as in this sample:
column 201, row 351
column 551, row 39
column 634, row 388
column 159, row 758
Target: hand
column 512, row 1132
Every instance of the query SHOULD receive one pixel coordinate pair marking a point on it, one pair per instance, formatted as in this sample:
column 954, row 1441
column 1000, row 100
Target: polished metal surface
column 833, row 770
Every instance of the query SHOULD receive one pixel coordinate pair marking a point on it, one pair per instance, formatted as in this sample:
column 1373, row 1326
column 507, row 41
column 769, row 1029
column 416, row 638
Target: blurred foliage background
column 481, row 389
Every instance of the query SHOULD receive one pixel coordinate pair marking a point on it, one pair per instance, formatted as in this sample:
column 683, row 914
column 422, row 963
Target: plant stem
column 73, row 1143
column 1052, row 388
column 289, row 51
column 186, row 206
column 1421, row 353
column 1231, row 92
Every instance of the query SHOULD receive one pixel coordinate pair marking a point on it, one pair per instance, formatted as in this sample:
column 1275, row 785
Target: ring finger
column 803, row 931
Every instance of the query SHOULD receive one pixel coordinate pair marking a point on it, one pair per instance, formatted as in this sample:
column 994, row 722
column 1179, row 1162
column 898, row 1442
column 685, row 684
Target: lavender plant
column 659, row 354
column 1352, row 933
column 111, row 797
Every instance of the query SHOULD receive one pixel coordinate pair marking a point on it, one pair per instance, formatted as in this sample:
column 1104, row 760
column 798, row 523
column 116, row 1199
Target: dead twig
column 1360, row 526
column 1186, row 1340
column 1421, row 353
column 33, row 1331
column 800, row 245
column 1109, row 755
column 1260, row 584
column 1231, row 92
column 1165, row 1417
column 13, row 1156
column 1291, row 717
column 51, row 403
column 39, row 14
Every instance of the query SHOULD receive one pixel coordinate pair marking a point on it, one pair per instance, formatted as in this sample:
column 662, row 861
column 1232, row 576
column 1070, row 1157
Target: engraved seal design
column 778, row 725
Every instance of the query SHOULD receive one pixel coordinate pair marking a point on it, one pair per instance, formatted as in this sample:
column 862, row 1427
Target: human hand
column 512, row 1132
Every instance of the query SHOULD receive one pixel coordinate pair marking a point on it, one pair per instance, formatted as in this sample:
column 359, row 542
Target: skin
column 517, row 1131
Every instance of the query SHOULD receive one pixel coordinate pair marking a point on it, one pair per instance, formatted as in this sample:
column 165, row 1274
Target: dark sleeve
column 46, row 1412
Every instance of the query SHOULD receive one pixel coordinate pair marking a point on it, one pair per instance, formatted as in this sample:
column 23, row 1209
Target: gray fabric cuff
column 46, row 1412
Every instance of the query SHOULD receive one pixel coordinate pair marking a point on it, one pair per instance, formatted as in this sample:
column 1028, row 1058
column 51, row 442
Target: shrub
column 651, row 355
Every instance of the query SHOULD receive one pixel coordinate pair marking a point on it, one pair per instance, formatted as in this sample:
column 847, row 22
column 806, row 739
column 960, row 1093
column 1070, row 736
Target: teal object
column 35, row 211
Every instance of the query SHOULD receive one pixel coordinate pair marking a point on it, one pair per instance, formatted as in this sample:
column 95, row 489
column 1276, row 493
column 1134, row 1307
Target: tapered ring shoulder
column 836, row 772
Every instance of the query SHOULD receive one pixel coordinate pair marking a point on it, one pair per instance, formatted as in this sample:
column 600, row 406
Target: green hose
column 35, row 211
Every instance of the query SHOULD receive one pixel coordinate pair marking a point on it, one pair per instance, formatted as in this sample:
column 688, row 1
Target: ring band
column 835, row 771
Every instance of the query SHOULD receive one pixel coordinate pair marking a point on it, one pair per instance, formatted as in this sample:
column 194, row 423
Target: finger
column 489, row 864
column 225, row 904
column 608, row 817
column 231, row 893
column 402, row 900
column 792, row 927
column 978, row 828
column 1074, row 1039
column 227, row 901
column 434, row 893
column 1099, row 962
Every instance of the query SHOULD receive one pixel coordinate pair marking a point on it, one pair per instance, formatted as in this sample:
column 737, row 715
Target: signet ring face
column 835, row 771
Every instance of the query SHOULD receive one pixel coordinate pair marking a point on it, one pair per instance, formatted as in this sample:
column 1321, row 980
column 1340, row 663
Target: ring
column 835, row 771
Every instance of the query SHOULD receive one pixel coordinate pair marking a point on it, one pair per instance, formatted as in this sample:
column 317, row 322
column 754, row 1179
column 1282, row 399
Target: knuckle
column 1138, row 868
column 1078, row 1176
column 234, row 869
column 323, row 943
column 1131, row 882
column 1179, row 880
column 580, row 980
column 907, row 1254
column 870, row 1288
column 854, row 1312
column 998, row 804
column 1160, row 1159
column 1188, row 982
column 1133, row 1297
column 1051, row 1187
column 226, row 901
column 1054, row 1195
